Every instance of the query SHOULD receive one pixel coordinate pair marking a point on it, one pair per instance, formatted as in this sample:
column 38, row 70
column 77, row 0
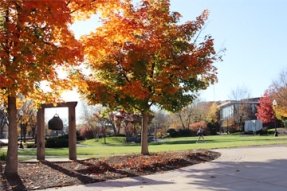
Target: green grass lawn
column 117, row 145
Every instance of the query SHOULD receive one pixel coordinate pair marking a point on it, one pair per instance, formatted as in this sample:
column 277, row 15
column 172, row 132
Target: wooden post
column 72, row 133
column 144, row 134
column 40, row 134
column 72, row 129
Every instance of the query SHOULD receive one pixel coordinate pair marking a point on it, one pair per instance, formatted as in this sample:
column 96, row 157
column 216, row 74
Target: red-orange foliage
column 196, row 125
column 141, row 57
column 34, row 41
column 265, row 111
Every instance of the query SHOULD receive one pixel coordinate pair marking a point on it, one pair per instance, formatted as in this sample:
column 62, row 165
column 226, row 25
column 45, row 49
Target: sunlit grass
column 117, row 146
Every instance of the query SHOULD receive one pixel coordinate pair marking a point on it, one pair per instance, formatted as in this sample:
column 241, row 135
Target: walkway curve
column 238, row 169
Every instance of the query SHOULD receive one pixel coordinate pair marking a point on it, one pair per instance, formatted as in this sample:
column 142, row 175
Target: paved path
column 241, row 169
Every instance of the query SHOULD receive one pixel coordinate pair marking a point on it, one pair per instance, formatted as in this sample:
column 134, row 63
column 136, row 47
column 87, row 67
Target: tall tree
column 278, row 92
column 265, row 110
column 34, row 41
column 142, row 57
column 212, row 113
column 185, row 116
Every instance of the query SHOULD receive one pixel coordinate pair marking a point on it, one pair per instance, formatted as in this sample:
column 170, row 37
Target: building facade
column 233, row 113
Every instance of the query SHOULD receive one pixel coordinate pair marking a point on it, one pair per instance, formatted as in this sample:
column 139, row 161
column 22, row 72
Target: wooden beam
column 72, row 134
column 63, row 104
column 40, row 134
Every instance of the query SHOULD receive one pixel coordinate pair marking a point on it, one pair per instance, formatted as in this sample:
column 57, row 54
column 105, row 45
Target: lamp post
column 21, row 113
column 241, row 123
column 274, row 103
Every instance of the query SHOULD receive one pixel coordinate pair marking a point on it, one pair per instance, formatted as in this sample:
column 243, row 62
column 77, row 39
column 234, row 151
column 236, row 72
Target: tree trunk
column 119, row 125
column 12, row 155
column 144, row 134
column 1, row 131
column 181, row 120
column 114, row 127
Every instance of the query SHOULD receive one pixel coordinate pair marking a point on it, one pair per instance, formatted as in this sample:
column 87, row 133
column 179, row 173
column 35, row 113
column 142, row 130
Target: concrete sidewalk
column 240, row 169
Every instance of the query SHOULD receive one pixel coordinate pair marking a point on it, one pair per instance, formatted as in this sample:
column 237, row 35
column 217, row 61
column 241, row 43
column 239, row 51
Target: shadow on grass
column 121, row 145
column 175, row 142
column 52, row 152
column 178, row 142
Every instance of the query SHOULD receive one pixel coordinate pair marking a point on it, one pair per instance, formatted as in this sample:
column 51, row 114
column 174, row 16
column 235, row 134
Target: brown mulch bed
column 40, row 175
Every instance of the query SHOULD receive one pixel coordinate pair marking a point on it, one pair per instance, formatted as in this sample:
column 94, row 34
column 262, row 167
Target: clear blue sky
column 254, row 35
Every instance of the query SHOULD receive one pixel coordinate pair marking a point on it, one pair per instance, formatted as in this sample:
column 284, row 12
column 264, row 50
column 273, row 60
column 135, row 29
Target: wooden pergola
column 41, row 129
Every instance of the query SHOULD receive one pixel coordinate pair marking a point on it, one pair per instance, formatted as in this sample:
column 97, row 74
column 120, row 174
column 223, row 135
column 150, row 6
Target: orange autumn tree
column 278, row 92
column 34, row 41
column 141, row 56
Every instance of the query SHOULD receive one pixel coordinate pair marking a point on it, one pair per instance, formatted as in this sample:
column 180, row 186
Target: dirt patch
column 47, row 174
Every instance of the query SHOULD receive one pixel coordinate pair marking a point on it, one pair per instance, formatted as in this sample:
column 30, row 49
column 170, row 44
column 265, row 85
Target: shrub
column 262, row 132
column 3, row 157
column 196, row 125
column 213, row 128
column 86, row 133
column 200, row 124
column 135, row 139
column 30, row 145
column 185, row 133
column 58, row 142
column 172, row 132
column 79, row 137
column 233, row 129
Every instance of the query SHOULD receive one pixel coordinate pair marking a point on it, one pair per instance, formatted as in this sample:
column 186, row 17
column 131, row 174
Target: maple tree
column 265, row 110
column 141, row 56
column 35, row 41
